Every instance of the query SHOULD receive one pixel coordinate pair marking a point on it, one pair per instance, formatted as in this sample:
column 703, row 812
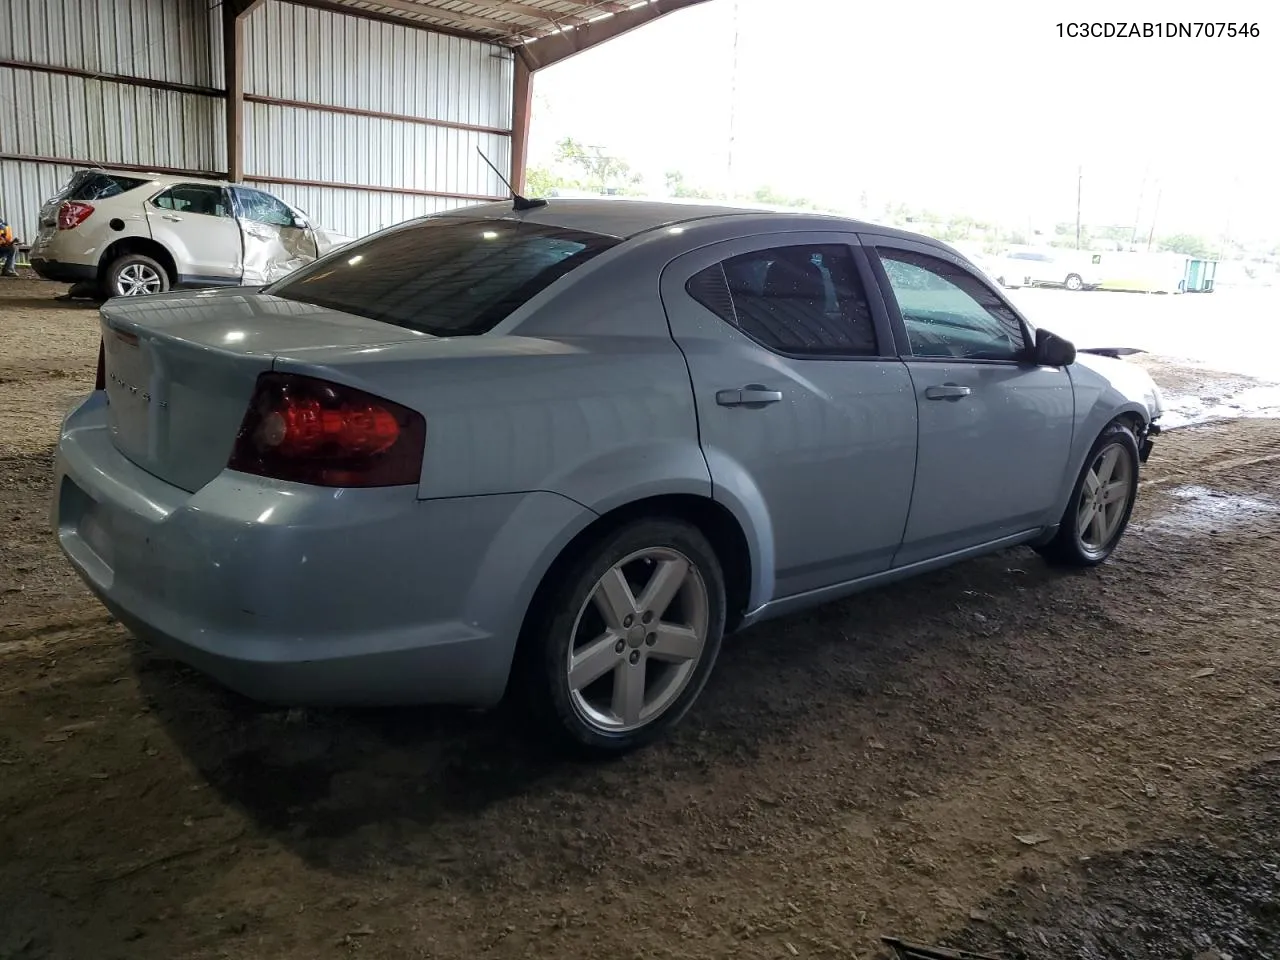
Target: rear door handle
column 947, row 391
column 170, row 216
column 749, row 396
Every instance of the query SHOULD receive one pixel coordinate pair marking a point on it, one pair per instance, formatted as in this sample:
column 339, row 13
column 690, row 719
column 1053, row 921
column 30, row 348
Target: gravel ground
column 997, row 756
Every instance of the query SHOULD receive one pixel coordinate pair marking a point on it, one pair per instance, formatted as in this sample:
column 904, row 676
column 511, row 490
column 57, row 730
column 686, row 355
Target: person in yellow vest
column 8, row 250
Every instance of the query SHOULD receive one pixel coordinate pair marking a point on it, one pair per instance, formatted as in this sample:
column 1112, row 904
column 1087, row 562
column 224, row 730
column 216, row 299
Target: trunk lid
column 181, row 369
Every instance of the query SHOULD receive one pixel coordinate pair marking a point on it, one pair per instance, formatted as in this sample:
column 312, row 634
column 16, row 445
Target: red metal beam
column 370, row 188
column 521, row 111
column 376, row 114
column 114, row 78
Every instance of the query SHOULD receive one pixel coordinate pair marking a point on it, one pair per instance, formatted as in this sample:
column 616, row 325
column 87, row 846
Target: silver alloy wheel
column 1073, row 282
column 637, row 640
column 136, row 279
column 1104, row 498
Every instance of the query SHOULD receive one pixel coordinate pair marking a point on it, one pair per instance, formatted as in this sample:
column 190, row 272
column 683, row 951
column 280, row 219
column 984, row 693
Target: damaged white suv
column 128, row 233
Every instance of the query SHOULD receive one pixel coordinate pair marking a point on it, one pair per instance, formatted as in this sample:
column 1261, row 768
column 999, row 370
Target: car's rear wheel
column 627, row 640
column 134, row 275
column 1101, row 502
column 1074, row 282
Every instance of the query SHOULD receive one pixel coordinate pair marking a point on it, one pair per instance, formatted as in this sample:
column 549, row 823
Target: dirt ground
column 997, row 756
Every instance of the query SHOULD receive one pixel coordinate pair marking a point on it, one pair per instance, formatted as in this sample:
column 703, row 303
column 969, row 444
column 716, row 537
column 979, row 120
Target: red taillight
column 101, row 382
column 73, row 213
column 312, row 431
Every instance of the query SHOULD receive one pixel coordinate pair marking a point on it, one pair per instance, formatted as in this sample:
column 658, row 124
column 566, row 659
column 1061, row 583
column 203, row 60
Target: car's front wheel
column 1101, row 502
column 628, row 636
column 1074, row 282
column 133, row 275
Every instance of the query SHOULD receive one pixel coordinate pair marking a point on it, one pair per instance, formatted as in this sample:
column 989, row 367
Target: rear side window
column 201, row 198
column 802, row 300
column 99, row 186
column 443, row 276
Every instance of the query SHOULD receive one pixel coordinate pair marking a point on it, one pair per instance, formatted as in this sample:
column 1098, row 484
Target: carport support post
column 521, row 111
column 234, row 13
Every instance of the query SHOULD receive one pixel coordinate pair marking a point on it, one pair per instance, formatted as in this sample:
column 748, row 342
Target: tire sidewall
column 118, row 265
column 1114, row 435
column 550, row 675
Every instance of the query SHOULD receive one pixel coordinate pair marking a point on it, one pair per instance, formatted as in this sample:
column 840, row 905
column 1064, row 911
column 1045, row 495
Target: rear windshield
column 99, row 186
column 444, row 276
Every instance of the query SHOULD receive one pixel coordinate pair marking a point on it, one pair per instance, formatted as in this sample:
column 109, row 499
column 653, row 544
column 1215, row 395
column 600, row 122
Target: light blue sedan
column 561, row 451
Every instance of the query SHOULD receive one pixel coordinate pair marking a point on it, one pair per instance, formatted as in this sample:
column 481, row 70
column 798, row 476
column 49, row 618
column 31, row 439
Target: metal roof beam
column 552, row 47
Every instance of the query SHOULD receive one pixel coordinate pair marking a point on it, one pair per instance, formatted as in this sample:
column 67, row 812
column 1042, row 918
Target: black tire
column 1074, row 282
column 545, row 646
column 111, row 278
column 1068, row 548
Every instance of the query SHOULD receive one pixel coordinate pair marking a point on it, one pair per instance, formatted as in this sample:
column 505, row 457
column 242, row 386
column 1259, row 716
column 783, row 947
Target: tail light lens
column 73, row 213
column 101, row 382
column 311, row 431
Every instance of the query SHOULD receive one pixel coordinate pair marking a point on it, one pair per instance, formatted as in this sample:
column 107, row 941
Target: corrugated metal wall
column 348, row 106
column 48, row 116
column 360, row 123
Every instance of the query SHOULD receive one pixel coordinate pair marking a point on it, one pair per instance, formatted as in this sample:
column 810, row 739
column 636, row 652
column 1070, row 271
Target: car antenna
column 518, row 202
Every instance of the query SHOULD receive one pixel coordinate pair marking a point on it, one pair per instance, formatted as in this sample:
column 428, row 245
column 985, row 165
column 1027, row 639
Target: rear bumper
column 63, row 272
column 306, row 595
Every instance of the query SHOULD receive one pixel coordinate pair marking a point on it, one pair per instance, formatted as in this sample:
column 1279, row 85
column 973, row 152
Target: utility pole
column 1137, row 214
column 733, row 101
column 1151, row 234
column 1079, row 189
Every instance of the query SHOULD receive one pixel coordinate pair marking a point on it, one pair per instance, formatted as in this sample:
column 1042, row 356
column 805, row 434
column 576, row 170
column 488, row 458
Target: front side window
column 444, row 276
column 263, row 208
column 201, row 198
column 948, row 312
column 804, row 300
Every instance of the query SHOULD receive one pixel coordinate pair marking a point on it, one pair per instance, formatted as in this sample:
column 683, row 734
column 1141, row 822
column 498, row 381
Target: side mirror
column 1052, row 350
column 300, row 223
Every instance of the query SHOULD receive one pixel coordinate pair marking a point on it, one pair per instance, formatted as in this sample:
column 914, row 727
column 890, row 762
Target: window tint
column 199, row 198
column 442, row 275
column 949, row 312
column 263, row 208
column 98, row 186
column 804, row 300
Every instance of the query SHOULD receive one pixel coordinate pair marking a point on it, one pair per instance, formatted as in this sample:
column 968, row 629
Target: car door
column 276, row 240
column 994, row 427
column 805, row 414
column 194, row 222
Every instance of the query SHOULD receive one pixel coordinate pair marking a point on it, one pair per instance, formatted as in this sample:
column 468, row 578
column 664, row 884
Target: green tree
column 542, row 182
column 1187, row 244
column 602, row 173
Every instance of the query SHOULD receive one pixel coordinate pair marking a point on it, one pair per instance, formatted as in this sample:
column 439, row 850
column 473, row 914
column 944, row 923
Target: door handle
column 947, row 391
column 170, row 216
column 751, row 395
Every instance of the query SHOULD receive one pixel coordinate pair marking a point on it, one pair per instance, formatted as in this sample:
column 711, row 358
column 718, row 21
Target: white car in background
column 1071, row 270
column 127, row 234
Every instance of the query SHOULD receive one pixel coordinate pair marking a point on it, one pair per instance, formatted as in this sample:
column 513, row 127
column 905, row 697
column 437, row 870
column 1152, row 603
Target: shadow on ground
column 319, row 779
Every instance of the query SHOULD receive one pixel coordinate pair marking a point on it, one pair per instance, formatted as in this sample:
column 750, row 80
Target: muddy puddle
column 1198, row 510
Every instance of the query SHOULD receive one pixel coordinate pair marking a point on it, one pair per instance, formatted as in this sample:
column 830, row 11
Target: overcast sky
column 975, row 107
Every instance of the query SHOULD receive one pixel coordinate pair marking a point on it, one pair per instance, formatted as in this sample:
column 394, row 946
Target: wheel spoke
column 1115, row 491
column 1098, row 527
column 663, row 587
column 1107, row 465
column 613, row 598
column 593, row 661
column 675, row 643
column 628, row 692
column 1087, row 512
column 1091, row 482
